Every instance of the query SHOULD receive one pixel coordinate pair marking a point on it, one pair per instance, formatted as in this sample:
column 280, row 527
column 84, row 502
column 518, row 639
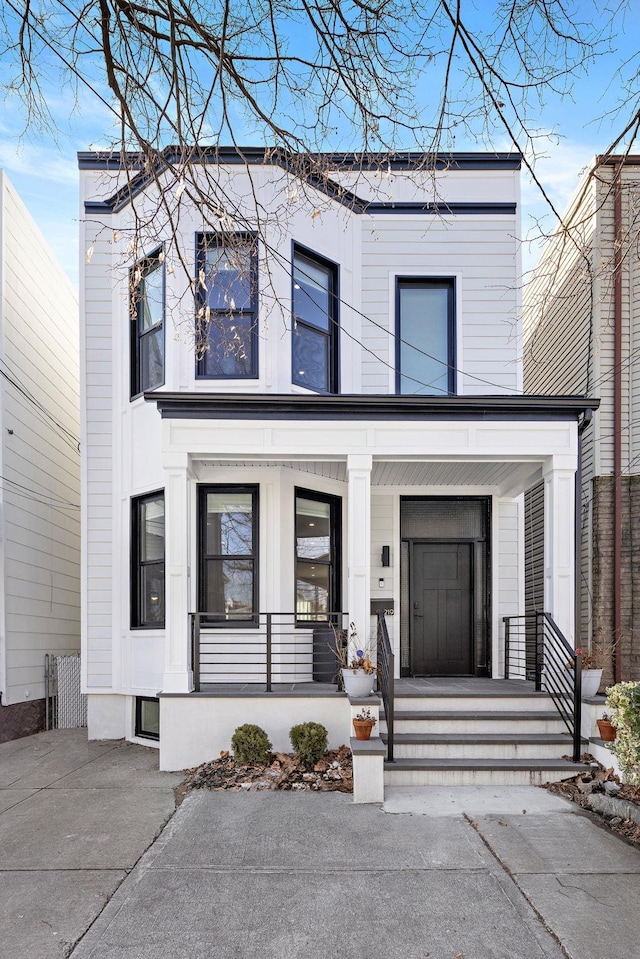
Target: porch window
column 317, row 555
column 147, row 561
column 425, row 332
column 228, row 552
column 227, row 308
column 146, row 312
column 315, row 323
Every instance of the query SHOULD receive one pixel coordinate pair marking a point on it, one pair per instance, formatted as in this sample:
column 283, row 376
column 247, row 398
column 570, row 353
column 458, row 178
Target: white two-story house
column 307, row 416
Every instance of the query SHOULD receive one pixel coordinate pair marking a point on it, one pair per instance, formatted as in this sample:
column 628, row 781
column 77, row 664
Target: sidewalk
column 75, row 817
column 486, row 872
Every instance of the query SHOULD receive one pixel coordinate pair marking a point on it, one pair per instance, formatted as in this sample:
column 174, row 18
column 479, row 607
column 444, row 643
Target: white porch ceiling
column 509, row 477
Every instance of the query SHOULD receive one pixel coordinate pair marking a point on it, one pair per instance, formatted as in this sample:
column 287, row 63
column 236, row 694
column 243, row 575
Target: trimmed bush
column 250, row 744
column 309, row 741
column 623, row 704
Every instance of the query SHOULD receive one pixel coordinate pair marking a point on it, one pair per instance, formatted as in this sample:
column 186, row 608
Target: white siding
column 480, row 254
column 40, row 455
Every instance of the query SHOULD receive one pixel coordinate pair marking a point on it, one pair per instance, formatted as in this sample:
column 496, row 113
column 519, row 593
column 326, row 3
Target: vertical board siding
column 41, row 459
column 509, row 572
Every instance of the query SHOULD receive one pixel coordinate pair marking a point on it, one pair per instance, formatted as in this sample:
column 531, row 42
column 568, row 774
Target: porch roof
column 276, row 406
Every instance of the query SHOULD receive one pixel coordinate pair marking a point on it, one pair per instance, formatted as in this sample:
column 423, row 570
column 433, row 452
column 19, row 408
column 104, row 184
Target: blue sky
column 44, row 168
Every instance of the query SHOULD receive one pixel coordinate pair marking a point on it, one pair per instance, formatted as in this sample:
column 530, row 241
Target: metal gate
column 65, row 705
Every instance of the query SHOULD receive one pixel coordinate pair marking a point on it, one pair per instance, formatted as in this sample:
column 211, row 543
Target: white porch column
column 359, row 540
column 178, row 676
column 559, row 553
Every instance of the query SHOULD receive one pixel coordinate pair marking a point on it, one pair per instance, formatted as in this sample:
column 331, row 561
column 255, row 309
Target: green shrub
column 623, row 704
column 250, row 744
column 309, row 741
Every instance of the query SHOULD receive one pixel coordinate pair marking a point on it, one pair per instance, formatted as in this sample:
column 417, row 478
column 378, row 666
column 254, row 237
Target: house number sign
column 385, row 606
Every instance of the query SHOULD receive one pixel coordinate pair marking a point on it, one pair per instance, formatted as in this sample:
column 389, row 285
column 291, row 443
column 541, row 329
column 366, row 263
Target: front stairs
column 460, row 732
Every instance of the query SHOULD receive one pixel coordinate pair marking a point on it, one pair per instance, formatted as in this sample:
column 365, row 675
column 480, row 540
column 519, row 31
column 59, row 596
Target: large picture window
column 317, row 555
column 228, row 551
column 227, row 308
column 315, row 323
column 147, row 561
column 146, row 310
column 425, row 331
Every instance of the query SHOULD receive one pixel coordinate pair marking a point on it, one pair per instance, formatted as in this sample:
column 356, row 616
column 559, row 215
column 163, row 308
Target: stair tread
column 473, row 714
column 459, row 763
column 488, row 738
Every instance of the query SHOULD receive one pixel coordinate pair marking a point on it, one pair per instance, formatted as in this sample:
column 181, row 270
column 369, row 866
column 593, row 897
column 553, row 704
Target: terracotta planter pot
column 607, row 730
column 363, row 728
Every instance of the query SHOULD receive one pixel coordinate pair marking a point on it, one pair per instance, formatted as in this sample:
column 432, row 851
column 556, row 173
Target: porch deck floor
column 418, row 686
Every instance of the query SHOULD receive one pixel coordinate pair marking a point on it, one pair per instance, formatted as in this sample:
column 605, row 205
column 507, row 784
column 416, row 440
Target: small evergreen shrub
column 623, row 703
column 309, row 741
column 250, row 744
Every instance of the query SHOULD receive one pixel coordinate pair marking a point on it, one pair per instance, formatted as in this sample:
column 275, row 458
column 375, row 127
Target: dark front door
column 441, row 609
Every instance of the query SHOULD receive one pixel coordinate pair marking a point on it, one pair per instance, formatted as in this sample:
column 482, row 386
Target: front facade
column 347, row 434
column 581, row 330
column 40, row 471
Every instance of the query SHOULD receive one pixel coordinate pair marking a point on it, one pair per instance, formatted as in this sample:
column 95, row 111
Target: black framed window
column 425, row 331
column 146, row 309
column 318, row 552
column 228, row 552
column 147, row 561
column 147, row 717
column 227, row 308
column 315, row 322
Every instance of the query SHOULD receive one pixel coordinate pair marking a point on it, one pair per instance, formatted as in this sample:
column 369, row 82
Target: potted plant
column 358, row 669
column 593, row 664
column 606, row 728
column 363, row 723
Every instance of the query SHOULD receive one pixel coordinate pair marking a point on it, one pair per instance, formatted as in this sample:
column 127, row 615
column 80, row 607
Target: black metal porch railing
column 266, row 648
column 536, row 649
column 385, row 679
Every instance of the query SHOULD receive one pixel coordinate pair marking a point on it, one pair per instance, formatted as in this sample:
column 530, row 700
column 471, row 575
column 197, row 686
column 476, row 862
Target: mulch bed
column 332, row 773
column 599, row 780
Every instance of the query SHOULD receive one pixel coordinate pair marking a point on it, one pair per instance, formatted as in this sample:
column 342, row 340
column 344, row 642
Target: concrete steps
column 451, row 738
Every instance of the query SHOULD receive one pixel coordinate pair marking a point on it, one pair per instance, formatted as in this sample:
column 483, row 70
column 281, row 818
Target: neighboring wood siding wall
column 40, row 487
column 97, row 390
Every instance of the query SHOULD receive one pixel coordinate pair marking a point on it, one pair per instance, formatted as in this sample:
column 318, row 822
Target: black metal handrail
column 386, row 686
column 536, row 649
column 264, row 648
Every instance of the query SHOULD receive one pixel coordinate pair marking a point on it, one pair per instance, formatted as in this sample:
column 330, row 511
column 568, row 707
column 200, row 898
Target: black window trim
column 136, row 564
column 334, row 319
column 426, row 280
column 146, row 265
column 335, row 519
column 213, row 620
column 141, row 733
column 201, row 247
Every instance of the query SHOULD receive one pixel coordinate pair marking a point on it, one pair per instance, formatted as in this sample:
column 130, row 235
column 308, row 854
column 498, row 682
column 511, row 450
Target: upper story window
column 315, row 322
column 228, row 552
column 425, row 331
column 146, row 309
column 147, row 560
column 227, row 313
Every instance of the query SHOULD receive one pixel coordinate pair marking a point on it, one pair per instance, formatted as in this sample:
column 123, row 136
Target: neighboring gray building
column 582, row 335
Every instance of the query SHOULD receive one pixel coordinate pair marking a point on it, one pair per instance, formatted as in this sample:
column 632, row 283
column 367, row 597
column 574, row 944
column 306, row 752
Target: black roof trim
column 324, row 184
column 367, row 407
column 400, row 160
column 440, row 208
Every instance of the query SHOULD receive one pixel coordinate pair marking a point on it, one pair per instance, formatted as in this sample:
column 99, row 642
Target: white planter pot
column 590, row 682
column 357, row 682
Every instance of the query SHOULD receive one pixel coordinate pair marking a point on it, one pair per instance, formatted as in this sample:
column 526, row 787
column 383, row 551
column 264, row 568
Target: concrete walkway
column 480, row 873
column 75, row 817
